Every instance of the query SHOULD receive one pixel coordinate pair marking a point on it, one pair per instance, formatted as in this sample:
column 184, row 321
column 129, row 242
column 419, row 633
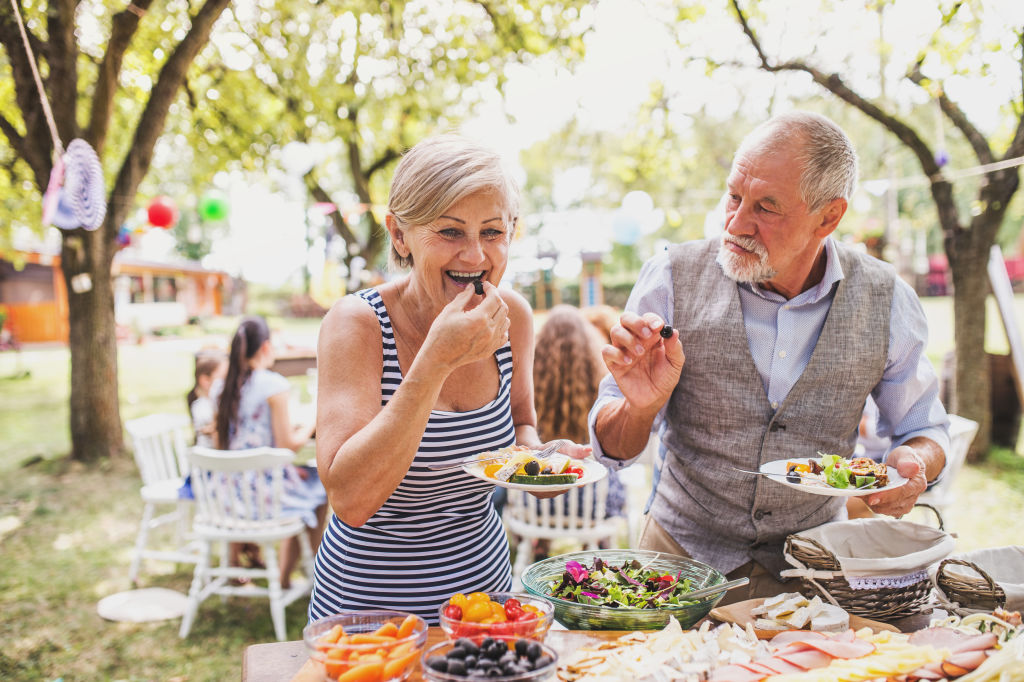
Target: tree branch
column 35, row 147
column 977, row 141
column 13, row 136
column 386, row 158
column 123, row 27
column 62, row 81
column 337, row 219
column 154, row 116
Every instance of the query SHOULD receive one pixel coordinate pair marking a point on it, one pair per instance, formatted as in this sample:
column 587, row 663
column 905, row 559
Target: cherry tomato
column 532, row 609
column 513, row 602
column 526, row 625
column 459, row 600
column 453, row 612
column 479, row 596
column 513, row 612
column 476, row 611
column 502, row 630
column 574, row 470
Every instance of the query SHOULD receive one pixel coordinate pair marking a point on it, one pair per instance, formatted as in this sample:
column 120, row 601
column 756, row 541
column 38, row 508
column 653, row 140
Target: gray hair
column 826, row 153
column 441, row 171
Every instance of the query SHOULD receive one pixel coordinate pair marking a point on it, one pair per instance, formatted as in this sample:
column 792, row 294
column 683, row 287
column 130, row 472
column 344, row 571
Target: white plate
column 777, row 471
column 593, row 471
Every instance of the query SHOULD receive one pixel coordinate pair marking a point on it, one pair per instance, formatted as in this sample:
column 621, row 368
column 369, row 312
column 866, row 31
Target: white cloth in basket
column 881, row 553
column 1005, row 565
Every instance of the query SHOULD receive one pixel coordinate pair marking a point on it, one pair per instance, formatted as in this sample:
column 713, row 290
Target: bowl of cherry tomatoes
column 498, row 615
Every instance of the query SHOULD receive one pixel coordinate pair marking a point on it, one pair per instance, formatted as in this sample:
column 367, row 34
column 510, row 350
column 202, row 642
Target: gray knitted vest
column 719, row 416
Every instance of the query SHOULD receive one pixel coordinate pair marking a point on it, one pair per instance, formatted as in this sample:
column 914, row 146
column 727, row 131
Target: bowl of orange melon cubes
column 366, row 646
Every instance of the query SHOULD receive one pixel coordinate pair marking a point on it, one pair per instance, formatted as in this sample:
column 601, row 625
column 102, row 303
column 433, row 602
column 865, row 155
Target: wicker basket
column 883, row 604
column 980, row 593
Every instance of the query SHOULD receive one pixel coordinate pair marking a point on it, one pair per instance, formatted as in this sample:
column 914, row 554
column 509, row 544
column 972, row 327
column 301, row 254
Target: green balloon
column 213, row 207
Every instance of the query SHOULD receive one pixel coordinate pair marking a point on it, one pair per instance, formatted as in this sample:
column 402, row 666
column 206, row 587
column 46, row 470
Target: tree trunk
column 970, row 290
column 95, row 414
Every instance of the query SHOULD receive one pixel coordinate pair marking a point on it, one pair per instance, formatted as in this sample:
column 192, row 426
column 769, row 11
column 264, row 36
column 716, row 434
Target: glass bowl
column 432, row 675
column 336, row 652
column 532, row 629
column 538, row 577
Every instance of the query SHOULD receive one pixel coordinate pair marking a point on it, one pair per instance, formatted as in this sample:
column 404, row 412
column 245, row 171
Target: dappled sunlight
column 66, row 541
column 8, row 524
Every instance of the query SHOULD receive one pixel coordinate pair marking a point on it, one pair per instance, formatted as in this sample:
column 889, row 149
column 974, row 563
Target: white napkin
column 882, row 553
column 1005, row 565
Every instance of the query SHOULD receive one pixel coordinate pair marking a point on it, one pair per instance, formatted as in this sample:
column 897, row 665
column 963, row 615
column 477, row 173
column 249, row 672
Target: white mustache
column 747, row 244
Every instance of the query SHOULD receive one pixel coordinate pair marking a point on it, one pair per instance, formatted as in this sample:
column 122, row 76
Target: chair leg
column 199, row 579
column 274, row 590
column 140, row 542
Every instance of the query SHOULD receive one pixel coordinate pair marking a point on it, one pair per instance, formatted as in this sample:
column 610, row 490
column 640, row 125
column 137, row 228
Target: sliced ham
column 787, row 636
column 979, row 642
column 968, row 659
column 854, row 649
column 807, row 659
column 780, row 666
column 736, row 673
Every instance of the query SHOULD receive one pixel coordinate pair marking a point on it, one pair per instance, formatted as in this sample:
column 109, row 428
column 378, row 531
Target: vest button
column 758, row 515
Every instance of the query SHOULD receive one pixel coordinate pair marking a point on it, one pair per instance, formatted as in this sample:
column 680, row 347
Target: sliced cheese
column 831, row 619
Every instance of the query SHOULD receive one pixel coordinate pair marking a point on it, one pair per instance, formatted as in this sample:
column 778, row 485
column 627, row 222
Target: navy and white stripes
column 438, row 533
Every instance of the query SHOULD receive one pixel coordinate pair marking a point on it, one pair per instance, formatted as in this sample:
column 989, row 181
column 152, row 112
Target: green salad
column 631, row 585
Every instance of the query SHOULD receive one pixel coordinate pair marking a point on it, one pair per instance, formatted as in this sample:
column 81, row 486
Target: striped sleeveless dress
column 438, row 533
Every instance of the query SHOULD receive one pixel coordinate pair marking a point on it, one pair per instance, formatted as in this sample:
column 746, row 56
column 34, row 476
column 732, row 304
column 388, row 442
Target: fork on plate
column 541, row 455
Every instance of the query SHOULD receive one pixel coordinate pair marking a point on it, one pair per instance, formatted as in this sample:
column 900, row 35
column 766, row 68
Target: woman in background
column 567, row 369
column 252, row 411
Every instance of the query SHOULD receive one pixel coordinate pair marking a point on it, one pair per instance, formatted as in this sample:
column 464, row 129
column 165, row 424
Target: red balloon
column 162, row 212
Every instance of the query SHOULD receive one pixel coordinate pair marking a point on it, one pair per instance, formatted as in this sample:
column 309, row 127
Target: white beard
column 745, row 267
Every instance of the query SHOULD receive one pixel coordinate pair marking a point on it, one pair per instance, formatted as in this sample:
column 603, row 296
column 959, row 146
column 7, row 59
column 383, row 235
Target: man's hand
column 898, row 502
column 645, row 366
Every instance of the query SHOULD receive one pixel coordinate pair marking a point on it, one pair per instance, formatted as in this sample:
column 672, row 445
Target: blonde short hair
column 441, row 171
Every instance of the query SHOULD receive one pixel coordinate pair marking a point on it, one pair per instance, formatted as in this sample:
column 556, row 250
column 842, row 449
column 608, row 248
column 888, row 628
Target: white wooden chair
column 160, row 443
column 528, row 519
column 238, row 496
column 961, row 435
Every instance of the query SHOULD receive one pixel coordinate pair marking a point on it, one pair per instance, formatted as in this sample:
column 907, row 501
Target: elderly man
column 785, row 333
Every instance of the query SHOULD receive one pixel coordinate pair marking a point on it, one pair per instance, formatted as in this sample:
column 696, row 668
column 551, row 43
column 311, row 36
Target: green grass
column 66, row 531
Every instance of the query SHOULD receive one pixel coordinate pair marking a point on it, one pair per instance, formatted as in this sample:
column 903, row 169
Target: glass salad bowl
column 539, row 579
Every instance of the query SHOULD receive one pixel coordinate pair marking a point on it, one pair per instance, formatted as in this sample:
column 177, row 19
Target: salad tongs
column 541, row 455
column 715, row 589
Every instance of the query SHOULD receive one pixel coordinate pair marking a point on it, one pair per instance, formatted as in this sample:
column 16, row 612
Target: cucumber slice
column 547, row 479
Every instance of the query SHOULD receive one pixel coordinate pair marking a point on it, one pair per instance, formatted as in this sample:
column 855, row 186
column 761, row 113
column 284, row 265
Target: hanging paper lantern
column 213, row 207
column 75, row 196
column 162, row 212
column 83, row 184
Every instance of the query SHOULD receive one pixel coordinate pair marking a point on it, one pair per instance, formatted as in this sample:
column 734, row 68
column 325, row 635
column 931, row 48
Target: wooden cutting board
column 739, row 613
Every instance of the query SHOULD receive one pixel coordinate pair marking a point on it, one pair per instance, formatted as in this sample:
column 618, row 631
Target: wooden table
column 283, row 661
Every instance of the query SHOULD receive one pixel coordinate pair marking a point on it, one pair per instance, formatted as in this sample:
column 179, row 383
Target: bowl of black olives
column 520, row 660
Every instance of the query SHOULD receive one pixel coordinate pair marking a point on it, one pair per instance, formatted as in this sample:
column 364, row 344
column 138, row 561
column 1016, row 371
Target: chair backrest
column 239, row 488
column 961, row 435
column 574, row 513
column 160, row 444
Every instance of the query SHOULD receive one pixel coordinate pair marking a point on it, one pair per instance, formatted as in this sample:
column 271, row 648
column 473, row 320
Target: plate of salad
column 623, row 589
column 834, row 476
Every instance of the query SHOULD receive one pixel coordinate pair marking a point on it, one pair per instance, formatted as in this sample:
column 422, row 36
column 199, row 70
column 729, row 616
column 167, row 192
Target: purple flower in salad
column 590, row 594
column 576, row 570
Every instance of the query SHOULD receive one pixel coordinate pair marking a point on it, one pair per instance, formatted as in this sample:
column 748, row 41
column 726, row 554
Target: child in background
column 210, row 366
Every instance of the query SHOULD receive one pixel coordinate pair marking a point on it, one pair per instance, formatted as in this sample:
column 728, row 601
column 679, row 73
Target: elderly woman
column 418, row 371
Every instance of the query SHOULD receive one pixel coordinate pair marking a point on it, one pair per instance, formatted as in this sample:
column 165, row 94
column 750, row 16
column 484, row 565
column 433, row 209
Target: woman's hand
column 467, row 329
